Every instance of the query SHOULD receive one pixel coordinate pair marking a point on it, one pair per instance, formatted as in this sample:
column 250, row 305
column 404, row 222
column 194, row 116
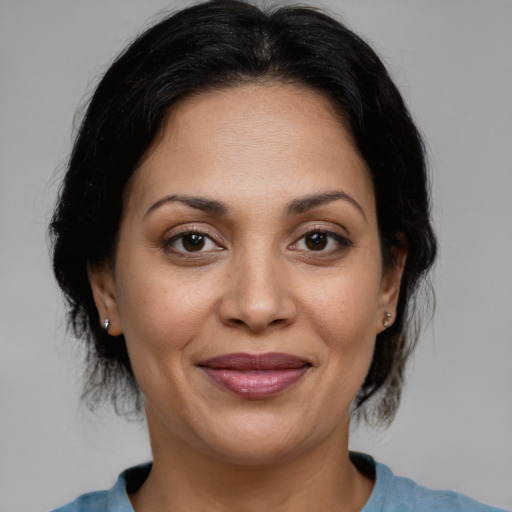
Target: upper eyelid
column 328, row 227
column 178, row 231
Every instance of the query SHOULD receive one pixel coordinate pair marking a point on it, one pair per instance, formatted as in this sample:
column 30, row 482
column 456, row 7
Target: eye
column 191, row 242
column 321, row 241
column 316, row 241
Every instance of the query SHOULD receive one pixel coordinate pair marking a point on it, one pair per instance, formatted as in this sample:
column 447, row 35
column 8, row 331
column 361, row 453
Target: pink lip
column 255, row 376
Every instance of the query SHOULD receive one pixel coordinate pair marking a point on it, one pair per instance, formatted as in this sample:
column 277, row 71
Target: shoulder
column 394, row 493
column 94, row 501
column 113, row 500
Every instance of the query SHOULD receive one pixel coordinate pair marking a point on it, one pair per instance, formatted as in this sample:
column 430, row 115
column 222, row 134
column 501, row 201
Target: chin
column 257, row 451
column 260, row 441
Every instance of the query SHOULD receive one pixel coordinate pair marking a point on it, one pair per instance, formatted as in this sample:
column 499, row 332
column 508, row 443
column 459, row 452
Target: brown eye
column 316, row 241
column 193, row 242
column 190, row 242
column 322, row 242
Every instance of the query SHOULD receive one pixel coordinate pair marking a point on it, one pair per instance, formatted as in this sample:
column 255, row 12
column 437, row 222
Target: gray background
column 452, row 60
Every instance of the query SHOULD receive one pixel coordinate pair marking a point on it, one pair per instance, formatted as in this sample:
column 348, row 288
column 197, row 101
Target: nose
column 259, row 295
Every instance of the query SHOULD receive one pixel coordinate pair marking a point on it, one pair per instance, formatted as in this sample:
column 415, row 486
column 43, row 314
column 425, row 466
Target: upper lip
column 247, row 362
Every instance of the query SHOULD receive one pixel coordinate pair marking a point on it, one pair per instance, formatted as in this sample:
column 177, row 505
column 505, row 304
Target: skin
column 255, row 286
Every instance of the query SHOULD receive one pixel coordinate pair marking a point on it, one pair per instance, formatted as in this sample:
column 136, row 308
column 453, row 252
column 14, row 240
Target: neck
column 183, row 479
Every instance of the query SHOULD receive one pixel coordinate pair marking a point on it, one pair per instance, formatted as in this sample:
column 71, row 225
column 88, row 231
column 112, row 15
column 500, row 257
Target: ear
column 390, row 288
column 101, row 279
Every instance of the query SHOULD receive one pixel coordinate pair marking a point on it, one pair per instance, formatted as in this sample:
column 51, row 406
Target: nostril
column 256, row 311
column 237, row 322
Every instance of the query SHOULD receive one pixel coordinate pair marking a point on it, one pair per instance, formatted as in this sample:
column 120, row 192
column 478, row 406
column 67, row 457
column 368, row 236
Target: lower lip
column 255, row 384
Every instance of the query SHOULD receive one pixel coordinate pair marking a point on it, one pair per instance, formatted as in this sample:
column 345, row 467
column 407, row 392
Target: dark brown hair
column 218, row 44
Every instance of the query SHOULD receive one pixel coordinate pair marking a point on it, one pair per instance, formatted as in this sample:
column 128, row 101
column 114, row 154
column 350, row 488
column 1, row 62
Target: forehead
column 255, row 139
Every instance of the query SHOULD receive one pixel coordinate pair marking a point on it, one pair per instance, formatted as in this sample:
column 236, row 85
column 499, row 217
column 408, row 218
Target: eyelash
column 342, row 243
column 169, row 242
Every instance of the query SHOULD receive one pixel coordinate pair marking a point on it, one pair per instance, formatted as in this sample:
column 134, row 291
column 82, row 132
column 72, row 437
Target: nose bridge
column 259, row 292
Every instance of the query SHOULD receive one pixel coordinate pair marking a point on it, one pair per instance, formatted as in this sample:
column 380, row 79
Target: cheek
column 344, row 308
column 342, row 313
column 161, row 313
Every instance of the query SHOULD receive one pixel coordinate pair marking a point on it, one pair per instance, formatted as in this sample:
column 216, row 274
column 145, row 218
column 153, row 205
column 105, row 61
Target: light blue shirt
column 390, row 494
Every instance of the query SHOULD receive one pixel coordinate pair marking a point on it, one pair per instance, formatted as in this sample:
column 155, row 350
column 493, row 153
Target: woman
column 241, row 233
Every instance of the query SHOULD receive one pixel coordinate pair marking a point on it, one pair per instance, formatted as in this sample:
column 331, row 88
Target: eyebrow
column 199, row 203
column 297, row 206
column 306, row 203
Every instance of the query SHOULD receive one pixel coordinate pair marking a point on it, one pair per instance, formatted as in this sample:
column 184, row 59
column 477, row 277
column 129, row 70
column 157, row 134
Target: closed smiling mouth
column 255, row 376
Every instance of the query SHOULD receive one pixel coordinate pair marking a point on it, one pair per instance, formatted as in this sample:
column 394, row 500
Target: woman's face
column 248, row 280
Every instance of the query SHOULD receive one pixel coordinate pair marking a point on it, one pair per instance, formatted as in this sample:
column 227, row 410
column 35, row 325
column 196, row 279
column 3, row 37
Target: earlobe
column 390, row 289
column 103, row 289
